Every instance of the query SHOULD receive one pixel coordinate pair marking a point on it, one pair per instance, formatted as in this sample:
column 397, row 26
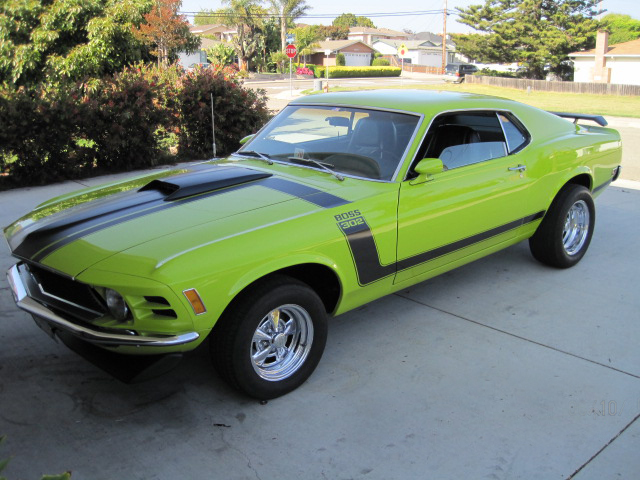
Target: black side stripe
column 44, row 241
column 600, row 187
column 367, row 261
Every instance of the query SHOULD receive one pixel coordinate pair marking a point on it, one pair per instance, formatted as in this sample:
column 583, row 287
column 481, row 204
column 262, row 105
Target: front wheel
column 271, row 338
column 565, row 232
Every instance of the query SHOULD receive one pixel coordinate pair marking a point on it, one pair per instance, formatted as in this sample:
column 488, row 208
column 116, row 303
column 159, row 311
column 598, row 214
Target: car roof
column 424, row 102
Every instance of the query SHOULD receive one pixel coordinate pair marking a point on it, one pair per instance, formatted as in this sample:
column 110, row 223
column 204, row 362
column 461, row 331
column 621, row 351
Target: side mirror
column 247, row 138
column 425, row 168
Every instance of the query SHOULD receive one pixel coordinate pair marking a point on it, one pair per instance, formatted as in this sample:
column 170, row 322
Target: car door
column 476, row 205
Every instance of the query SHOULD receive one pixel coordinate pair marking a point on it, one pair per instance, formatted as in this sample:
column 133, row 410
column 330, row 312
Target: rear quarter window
column 516, row 135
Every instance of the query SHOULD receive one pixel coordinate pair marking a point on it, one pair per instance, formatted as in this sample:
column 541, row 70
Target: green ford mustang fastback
column 341, row 199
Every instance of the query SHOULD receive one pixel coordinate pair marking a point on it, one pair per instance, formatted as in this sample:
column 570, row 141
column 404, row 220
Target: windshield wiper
column 327, row 167
column 252, row 153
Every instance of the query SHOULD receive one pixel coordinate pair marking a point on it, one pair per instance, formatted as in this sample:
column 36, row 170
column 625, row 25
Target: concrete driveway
column 502, row 369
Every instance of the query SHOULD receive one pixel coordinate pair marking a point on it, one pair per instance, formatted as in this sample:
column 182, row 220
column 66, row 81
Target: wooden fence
column 550, row 86
column 411, row 67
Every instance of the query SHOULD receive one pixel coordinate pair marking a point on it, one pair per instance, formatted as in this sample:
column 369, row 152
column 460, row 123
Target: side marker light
column 196, row 302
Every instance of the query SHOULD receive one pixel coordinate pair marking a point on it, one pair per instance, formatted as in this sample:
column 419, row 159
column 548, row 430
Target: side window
column 517, row 136
column 464, row 138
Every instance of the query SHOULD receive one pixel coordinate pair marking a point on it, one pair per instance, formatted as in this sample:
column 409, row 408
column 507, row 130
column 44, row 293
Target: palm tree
column 306, row 41
column 288, row 10
column 247, row 16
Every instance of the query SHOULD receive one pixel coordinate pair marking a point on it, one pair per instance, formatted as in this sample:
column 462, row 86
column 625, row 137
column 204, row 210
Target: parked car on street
column 339, row 200
column 455, row 72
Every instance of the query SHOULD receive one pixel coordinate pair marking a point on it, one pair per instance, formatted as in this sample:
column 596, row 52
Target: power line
column 323, row 15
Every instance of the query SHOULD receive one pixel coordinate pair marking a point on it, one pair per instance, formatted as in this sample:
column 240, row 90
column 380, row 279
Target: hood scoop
column 203, row 181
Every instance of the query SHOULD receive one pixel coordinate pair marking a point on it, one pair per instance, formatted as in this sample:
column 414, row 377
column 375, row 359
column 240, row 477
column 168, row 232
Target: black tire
column 281, row 301
column 562, row 240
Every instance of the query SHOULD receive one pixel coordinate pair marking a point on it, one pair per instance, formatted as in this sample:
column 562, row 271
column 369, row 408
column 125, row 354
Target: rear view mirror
column 337, row 121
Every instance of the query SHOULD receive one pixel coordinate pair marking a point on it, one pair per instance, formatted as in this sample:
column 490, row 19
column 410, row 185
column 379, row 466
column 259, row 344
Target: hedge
column 345, row 72
column 138, row 118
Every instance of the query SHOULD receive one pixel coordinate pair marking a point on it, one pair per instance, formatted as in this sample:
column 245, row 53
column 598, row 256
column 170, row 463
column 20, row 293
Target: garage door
column 357, row 59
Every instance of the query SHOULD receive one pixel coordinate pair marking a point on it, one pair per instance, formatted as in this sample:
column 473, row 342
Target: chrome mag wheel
column 576, row 227
column 282, row 342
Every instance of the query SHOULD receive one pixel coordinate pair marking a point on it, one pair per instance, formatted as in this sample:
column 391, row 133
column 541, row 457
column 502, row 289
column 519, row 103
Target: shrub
column 221, row 54
column 38, row 136
column 238, row 111
column 135, row 119
column 304, row 71
column 340, row 60
column 380, row 62
column 495, row 73
column 344, row 72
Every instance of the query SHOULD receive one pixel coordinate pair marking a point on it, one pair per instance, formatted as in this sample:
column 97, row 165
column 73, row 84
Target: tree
column 67, row 40
column 206, row 16
column 536, row 33
column 166, row 32
column 621, row 28
column 247, row 16
column 287, row 11
column 306, row 41
column 332, row 32
column 350, row 20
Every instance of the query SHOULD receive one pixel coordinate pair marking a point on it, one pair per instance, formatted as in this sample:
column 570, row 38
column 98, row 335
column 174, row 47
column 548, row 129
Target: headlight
column 116, row 304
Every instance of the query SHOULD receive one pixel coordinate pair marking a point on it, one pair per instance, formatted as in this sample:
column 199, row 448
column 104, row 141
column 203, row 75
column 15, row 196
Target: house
column 220, row 32
column 421, row 52
column 436, row 40
column 619, row 63
column 356, row 53
column 188, row 59
column 370, row 35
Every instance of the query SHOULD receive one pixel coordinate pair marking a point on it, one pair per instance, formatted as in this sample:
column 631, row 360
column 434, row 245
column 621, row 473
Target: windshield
column 353, row 141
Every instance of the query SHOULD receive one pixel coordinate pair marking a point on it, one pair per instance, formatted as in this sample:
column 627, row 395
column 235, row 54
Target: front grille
column 62, row 294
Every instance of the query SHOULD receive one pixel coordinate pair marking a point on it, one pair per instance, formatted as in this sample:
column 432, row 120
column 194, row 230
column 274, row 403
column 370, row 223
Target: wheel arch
column 321, row 278
column 584, row 179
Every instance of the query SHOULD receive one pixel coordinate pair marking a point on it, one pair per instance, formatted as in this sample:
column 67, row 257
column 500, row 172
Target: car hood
column 74, row 232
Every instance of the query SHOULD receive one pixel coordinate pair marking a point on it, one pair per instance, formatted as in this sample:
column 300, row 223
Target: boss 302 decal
column 365, row 251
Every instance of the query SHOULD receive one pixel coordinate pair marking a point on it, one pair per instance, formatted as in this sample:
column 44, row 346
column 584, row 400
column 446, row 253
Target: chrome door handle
column 518, row 168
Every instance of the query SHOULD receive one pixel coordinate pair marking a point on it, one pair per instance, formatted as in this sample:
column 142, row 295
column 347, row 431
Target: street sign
column 291, row 51
column 291, row 38
column 403, row 51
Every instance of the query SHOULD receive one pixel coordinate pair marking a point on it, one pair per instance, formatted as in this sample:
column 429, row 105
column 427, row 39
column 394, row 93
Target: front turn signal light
column 194, row 299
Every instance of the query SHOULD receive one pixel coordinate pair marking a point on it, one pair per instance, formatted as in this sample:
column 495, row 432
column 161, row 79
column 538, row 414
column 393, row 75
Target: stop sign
column 291, row 50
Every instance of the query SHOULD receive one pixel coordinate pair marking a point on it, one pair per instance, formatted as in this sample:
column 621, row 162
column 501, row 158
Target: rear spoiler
column 599, row 119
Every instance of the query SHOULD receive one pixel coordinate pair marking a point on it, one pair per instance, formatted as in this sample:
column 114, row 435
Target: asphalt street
column 502, row 369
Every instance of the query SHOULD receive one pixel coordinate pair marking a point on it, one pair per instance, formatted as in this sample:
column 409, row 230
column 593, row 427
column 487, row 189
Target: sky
column 407, row 9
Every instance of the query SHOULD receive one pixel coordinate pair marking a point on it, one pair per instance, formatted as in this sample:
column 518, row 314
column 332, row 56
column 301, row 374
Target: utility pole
column 444, row 39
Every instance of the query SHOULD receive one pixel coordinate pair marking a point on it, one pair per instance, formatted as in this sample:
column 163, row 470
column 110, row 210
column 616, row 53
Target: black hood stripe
column 40, row 242
column 310, row 194
column 367, row 261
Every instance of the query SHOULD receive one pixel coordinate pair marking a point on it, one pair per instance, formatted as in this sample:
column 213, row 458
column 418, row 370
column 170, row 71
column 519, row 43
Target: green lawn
column 614, row 105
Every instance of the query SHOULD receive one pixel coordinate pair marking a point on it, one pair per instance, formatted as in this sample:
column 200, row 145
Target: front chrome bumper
column 55, row 322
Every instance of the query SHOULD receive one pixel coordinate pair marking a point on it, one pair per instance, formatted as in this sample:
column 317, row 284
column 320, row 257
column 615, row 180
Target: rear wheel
column 565, row 232
column 271, row 338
